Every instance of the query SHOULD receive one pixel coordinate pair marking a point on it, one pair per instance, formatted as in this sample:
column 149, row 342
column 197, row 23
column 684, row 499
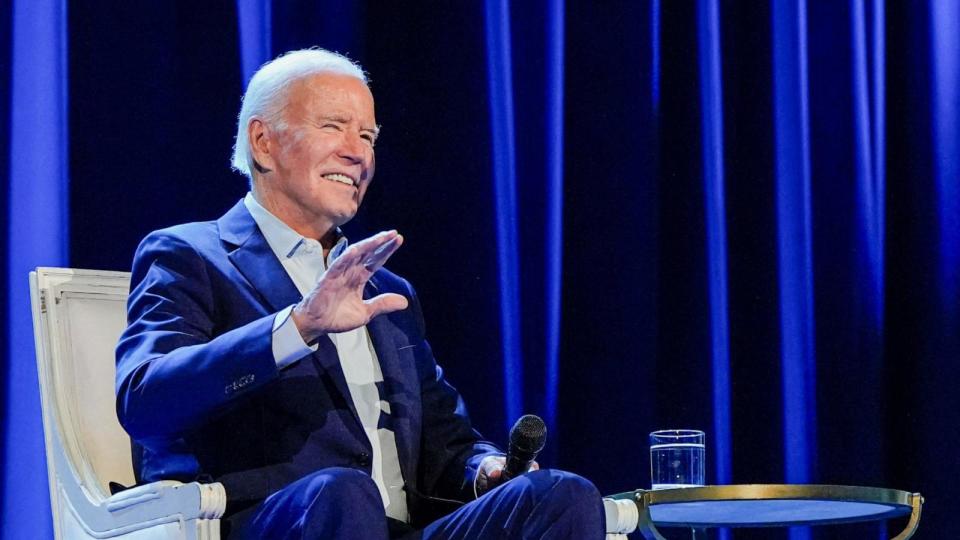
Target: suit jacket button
column 363, row 459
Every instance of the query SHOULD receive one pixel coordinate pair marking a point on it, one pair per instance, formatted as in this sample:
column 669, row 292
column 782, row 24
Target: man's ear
column 259, row 135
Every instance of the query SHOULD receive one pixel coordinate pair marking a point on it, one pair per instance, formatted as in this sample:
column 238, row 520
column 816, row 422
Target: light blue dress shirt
column 303, row 260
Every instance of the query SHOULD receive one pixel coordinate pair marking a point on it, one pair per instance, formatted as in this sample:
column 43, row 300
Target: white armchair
column 78, row 316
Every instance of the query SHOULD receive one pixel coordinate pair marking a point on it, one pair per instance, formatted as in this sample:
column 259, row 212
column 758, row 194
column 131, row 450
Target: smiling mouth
column 341, row 178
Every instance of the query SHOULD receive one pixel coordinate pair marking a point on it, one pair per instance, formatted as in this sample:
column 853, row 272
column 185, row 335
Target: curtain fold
column 945, row 44
column 37, row 221
column 795, row 249
column 711, row 98
column 553, row 237
column 254, row 24
column 502, row 121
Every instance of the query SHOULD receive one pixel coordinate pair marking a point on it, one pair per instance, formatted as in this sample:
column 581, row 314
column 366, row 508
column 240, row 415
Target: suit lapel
column 329, row 361
column 255, row 260
column 394, row 390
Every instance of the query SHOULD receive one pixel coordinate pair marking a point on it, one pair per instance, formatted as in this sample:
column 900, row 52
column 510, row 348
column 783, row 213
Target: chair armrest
column 620, row 515
column 165, row 501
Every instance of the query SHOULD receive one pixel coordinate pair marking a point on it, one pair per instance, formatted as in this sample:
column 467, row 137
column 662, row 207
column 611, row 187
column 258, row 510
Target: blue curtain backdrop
column 737, row 216
column 36, row 212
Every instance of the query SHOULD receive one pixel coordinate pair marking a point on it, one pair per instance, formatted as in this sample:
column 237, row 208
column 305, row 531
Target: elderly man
column 264, row 353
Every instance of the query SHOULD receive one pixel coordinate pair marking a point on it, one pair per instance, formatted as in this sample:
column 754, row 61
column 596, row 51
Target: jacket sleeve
column 451, row 448
column 173, row 375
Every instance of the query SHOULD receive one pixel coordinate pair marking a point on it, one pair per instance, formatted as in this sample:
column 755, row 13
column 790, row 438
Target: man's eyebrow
column 344, row 120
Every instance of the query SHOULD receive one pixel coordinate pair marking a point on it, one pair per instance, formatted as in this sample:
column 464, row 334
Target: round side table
column 771, row 505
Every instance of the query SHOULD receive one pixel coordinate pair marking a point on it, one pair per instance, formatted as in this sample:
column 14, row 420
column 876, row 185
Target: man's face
column 323, row 160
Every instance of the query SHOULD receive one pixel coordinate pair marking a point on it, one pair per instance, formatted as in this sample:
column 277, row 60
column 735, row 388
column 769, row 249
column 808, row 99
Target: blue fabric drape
column 530, row 199
column 870, row 166
column 37, row 217
column 923, row 272
column 711, row 92
column 613, row 221
column 505, row 182
column 945, row 23
column 254, row 23
column 795, row 243
column 553, row 186
column 794, row 231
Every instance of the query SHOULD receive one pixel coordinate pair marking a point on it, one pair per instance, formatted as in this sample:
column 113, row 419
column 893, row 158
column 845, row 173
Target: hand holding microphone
column 527, row 438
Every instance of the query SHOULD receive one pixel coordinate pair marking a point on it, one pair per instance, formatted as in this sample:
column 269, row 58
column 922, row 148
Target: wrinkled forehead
column 330, row 92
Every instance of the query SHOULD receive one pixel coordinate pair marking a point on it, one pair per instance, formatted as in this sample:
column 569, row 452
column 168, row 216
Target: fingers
column 369, row 254
column 489, row 473
column 491, row 464
column 367, row 246
column 375, row 260
column 386, row 303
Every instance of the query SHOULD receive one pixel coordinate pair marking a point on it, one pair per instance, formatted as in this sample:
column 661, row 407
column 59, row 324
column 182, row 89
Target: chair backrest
column 78, row 317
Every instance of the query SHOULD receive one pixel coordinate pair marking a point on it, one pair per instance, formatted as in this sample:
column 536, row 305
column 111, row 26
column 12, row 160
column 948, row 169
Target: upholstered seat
column 78, row 316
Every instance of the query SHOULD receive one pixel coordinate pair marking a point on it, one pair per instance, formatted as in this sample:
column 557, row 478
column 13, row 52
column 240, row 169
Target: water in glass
column 676, row 465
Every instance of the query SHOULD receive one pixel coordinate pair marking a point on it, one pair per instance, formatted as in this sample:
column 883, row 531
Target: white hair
column 266, row 93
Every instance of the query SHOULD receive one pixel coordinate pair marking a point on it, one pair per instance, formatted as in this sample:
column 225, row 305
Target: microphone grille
column 529, row 434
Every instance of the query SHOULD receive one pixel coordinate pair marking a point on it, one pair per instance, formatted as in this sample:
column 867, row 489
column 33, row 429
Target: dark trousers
column 344, row 504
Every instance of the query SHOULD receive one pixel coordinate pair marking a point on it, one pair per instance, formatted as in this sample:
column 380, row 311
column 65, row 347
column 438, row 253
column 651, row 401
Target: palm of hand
column 336, row 303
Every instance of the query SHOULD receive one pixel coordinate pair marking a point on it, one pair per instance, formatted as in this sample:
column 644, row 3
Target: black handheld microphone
column 527, row 438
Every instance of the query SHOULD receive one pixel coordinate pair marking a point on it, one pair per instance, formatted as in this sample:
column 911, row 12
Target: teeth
column 337, row 177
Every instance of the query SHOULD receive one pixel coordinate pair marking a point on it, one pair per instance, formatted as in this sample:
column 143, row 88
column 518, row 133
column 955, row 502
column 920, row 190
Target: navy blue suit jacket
column 200, row 394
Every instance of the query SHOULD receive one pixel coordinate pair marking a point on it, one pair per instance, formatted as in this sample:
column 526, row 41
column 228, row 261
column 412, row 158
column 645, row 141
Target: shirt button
column 363, row 459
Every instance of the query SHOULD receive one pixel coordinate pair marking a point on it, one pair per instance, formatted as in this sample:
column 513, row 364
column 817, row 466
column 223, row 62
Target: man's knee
column 343, row 503
column 551, row 504
column 330, row 503
column 348, row 488
column 562, row 486
column 574, row 488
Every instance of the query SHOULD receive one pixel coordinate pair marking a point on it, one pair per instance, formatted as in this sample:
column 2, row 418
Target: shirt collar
column 284, row 241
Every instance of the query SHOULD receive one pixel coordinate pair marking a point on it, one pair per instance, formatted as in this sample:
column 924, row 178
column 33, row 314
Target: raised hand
column 336, row 303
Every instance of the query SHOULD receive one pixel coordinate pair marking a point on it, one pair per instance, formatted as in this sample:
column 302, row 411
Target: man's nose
column 354, row 148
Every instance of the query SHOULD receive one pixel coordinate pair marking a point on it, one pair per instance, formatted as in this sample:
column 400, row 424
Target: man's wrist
column 302, row 321
column 288, row 346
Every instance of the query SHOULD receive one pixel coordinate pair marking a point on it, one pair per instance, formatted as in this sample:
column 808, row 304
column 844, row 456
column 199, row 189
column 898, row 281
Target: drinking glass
column 676, row 458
